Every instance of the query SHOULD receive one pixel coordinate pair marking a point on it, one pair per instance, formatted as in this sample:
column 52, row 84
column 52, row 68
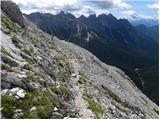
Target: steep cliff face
column 43, row 77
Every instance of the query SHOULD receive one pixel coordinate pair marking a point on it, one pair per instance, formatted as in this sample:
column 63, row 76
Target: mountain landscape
column 114, row 41
column 60, row 67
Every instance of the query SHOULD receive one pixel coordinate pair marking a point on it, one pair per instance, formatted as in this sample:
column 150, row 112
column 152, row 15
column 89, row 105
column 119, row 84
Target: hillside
column 114, row 41
column 44, row 77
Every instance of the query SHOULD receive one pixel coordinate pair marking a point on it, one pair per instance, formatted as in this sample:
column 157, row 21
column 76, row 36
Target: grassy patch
column 5, row 52
column 63, row 75
column 82, row 79
column 27, row 51
column 112, row 94
column 115, row 97
column 8, row 24
column 94, row 106
column 15, row 41
column 62, row 90
column 7, row 103
column 43, row 101
column 7, row 68
column 57, row 61
column 31, row 77
column 121, row 108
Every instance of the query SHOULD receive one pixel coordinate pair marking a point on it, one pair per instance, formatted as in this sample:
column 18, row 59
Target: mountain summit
column 45, row 77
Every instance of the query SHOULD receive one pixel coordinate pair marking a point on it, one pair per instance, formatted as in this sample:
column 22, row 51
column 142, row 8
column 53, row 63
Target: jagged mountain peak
column 45, row 77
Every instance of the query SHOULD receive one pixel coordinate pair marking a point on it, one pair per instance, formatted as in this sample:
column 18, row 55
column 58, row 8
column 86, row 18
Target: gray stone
column 11, row 79
column 56, row 115
column 13, row 11
column 9, row 61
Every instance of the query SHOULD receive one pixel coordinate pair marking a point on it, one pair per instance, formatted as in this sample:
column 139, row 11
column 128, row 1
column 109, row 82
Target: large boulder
column 13, row 12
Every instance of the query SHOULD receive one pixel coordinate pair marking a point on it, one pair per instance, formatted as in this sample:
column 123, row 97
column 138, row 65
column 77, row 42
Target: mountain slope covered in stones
column 114, row 41
column 44, row 77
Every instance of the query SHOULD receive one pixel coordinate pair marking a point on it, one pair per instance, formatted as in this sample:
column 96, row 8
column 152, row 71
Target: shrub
column 7, row 104
column 94, row 106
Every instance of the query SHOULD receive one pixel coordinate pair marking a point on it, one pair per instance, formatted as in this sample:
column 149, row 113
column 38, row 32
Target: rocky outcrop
column 13, row 11
column 56, row 79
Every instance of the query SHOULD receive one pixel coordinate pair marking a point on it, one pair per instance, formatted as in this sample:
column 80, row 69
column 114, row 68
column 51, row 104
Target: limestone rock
column 13, row 11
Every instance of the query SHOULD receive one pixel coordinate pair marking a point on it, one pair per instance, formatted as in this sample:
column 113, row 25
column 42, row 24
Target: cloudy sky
column 130, row 9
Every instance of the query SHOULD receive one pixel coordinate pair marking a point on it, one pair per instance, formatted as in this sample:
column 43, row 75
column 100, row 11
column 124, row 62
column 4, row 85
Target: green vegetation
column 7, row 68
column 32, row 77
column 43, row 101
column 16, row 41
column 62, row 90
column 30, row 62
column 82, row 78
column 156, row 110
column 121, row 108
column 28, row 67
column 5, row 52
column 8, row 24
column 115, row 97
column 57, row 61
column 63, row 75
column 7, row 103
column 112, row 94
column 94, row 106
column 23, row 33
column 28, row 51
column 60, row 61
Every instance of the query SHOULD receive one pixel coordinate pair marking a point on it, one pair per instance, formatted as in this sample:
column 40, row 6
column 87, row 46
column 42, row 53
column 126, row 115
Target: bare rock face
column 13, row 11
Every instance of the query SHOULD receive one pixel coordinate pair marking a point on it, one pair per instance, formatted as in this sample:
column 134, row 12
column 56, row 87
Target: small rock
column 14, row 91
column 56, row 115
column 18, row 110
column 22, row 75
column 39, row 58
column 73, row 75
column 4, row 92
column 21, row 93
column 55, row 109
column 33, row 109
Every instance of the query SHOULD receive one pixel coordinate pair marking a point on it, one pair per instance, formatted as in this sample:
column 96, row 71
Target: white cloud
column 66, row 5
column 75, row 6
column 133, row 15
column 86, row 11
column 101, row 11
column 107, row 4
column 154, row 6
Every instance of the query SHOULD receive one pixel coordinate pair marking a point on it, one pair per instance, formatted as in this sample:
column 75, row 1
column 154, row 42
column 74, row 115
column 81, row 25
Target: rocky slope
column 43, row 77
column 113, row 41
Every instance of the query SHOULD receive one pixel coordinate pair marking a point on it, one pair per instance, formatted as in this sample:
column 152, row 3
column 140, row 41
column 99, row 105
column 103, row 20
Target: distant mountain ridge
column 114, row 41
column 146, row 22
